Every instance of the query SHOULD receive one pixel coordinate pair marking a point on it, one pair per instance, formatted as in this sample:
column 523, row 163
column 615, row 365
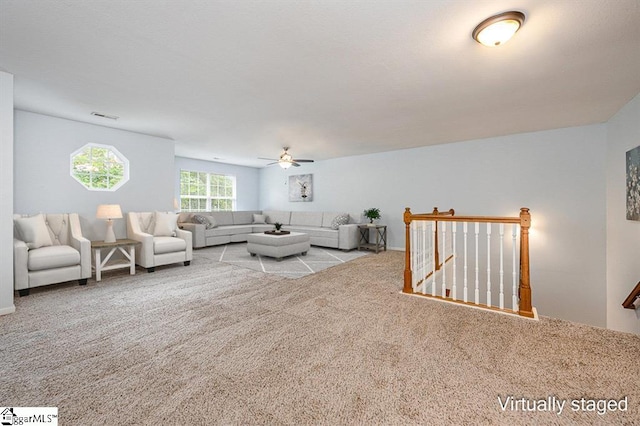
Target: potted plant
column 278, row 225
column 372, row 214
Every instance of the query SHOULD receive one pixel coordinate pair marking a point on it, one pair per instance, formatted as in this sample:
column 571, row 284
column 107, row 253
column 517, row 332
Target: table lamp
column 109, row 212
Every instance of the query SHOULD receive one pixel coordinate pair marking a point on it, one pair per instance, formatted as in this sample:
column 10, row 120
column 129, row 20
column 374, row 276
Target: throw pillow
column 212, row 222
column 259, row 218
column 207, row 221
column 165, row 224
column 341, row 219
column 33, row 231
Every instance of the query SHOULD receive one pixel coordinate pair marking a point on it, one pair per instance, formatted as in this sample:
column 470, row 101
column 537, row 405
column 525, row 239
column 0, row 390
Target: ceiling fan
column 286, row 160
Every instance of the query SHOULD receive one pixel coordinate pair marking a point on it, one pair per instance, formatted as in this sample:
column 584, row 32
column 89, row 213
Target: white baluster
column 444, row 259
column 477, row 266
column 466, row 263
column 433, row 257
column 424, row 257
column 488, row 263
column 454, row 229
column 419, row 249
column 514, row 291
column 501, row 266
column 413, row 253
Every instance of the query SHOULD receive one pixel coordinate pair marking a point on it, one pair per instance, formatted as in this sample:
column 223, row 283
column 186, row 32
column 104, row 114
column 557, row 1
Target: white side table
column 125, row 246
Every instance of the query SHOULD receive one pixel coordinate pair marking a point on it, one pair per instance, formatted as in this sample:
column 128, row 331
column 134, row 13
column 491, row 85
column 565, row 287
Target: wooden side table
column 380, row 241
column 125, row 246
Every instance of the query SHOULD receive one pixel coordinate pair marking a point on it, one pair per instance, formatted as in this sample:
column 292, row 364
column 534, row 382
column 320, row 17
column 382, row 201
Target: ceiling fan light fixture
column 284, row 164
column 498, row 29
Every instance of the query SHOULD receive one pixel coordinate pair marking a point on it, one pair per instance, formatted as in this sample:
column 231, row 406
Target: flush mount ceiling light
column 498, row 29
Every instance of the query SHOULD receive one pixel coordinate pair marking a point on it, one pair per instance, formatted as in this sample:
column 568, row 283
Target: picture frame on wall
column 301, row 188
column 633, row 184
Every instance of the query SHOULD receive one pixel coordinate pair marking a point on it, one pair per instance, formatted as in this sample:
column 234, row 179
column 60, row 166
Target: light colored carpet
column 214, row 343
column 316, row 259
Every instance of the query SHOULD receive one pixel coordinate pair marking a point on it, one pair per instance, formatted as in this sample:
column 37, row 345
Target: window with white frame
column 201, row 191
column 99, row 167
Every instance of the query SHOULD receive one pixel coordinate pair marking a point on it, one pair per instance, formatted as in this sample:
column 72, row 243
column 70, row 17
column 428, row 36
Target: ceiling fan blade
column 272, row 163
column 303, row 161
column 294, row 164
column 270, row 159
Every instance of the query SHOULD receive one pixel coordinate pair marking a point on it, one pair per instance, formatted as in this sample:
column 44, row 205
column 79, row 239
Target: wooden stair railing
column 523, row 221
column 635, row 293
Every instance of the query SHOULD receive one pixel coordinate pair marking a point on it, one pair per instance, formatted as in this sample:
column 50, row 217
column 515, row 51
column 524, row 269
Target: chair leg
column 23, row 292
column 83, row 281
column 152, row 269
column 187, row 263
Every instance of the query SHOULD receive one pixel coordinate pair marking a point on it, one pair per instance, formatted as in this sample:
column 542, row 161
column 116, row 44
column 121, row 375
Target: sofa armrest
column 144, row 257
column 187, row 237
column 82, row 244
column 20, row 269
column 348, row 236
column 197, row 233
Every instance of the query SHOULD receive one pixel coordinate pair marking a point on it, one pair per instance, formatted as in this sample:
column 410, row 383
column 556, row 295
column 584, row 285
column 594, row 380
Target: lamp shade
column 109, row 211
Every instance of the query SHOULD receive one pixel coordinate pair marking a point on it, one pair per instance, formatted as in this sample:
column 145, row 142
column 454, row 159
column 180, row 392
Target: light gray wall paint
column 246, row 179
column 623, row 236
column 558, row 174
column 43, row 182
column 6, row 193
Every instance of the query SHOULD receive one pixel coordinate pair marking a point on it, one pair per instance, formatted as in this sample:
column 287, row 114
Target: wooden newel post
column 408, row 288
column 525, row 286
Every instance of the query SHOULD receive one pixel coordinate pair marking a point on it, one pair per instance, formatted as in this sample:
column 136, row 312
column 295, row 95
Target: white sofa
column 159, row 247
column 235, row 226
column 48, row 249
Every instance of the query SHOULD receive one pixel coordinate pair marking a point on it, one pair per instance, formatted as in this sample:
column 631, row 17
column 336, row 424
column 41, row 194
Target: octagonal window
column 99, row 167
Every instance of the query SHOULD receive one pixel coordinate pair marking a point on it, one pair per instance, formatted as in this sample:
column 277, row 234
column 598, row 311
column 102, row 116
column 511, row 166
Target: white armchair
column 48, row 249
column 162, row 241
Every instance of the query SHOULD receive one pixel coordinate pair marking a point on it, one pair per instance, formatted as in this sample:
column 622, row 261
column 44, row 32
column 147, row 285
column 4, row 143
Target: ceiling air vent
column 99, row 114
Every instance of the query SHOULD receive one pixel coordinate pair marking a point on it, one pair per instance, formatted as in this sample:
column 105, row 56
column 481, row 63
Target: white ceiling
column 237, row 80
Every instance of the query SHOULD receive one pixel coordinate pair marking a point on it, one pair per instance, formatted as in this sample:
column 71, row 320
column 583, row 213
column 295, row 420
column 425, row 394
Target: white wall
column 43, row 183
column 558, row 174
column 246, row 179
column 6, row 193
column 623, row 236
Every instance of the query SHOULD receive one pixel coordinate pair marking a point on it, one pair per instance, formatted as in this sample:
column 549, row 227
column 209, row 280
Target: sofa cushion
column 33, row 231
column 327, row 218
column 185, row 217
column 165, row 224
column 222, row 218
column 259, row 218
column 274, row 216
column 168, row 245
column 208, row 221
column 342, row 219
column 314, row 231
column 145, row 221
column 306, row 219
column 229, row 230
column 52, row 257
column 243, row 218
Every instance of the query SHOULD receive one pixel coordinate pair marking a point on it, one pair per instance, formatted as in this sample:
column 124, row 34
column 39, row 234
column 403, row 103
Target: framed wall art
column 301, row 188
column 633, row 184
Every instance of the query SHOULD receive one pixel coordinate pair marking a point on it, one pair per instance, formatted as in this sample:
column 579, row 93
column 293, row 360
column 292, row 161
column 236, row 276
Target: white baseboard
column 8, row 310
